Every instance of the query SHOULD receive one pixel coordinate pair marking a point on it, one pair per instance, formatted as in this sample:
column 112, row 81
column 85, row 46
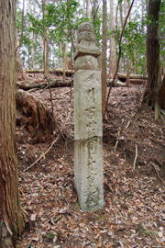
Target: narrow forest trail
column 134, row 212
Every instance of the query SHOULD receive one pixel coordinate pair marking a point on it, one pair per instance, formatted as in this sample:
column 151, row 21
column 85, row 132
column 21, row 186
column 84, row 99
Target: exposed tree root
column 34, row 114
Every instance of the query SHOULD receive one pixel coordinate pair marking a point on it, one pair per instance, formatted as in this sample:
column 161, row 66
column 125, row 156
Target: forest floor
column 134, row 178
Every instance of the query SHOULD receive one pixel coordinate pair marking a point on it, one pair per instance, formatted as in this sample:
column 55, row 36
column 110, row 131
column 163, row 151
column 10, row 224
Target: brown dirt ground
column 134, row 211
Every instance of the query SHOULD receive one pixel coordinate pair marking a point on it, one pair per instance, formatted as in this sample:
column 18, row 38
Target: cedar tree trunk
column 11, row 218
column 153, row 52
column 104, row 55
column 45, row 41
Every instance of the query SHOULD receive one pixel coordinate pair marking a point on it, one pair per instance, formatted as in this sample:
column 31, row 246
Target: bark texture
column 104, row 55
column 113, row 57
column 11, row 219
column 161, row 94
column 45, row 41
column 153, row 51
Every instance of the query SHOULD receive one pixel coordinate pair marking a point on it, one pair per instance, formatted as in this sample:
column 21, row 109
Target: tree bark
column 11, row 218
column 119, row 47
column 22, row 23
column 113, row 56
column 87, row 10
column 153, row 52
column 104, row 55
column 45, row 42
column 161, row 94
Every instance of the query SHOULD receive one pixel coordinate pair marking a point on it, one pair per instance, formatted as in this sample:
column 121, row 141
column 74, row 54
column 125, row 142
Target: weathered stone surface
column 86, row 41
column 88, row 160
column 87, row 104
column 86, row 35
column 86, row 48
column 89, row 173
column 87, row 62
column 88, row 139
column 85, row 26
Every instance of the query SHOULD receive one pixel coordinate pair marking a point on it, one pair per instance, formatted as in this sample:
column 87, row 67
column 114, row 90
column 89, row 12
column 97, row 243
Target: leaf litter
column 134, row 211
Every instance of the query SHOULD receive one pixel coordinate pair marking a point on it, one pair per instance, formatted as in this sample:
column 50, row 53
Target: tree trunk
column 11, row 218
column 113, row 56
column 45, row 41
column 121, row 14
column 45, row 55
column 64, row 54
column 161, row 94
column 153, row 52
column 87, row 10
column 22, row 24
column 94, row 14
column 104, row 55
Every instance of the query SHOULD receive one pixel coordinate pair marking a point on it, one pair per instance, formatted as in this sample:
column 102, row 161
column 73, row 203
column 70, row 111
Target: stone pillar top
column 85, row 26
column 86, row 41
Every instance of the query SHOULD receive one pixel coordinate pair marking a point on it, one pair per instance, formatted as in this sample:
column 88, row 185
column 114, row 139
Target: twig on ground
column 157, row 173
column 43, row 154
column 51, row 145
column 136, row 155
column 118, row 134
column 128, row 123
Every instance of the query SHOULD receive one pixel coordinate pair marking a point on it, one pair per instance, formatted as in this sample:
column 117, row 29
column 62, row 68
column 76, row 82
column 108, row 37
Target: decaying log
column 138, row 81
column 69, row 73
column 58, row 72
column 28, row 85
column 33, row 114
column 123, row 77
column 116, row 83
column 135, row 78
column 55, row 83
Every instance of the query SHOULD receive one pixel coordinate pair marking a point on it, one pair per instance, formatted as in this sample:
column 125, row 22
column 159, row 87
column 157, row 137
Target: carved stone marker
column 88, row 160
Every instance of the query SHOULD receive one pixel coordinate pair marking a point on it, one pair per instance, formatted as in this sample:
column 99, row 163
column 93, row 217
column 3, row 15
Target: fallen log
column 123, row 77
column 58, row 72
column 33, row 114
column 69, row 73
column 57, row 83
column 28, row 85
column 116, row 83
column 137, row 81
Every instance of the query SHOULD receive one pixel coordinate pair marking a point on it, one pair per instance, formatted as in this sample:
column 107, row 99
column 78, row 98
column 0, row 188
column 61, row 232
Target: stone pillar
column 88, row 157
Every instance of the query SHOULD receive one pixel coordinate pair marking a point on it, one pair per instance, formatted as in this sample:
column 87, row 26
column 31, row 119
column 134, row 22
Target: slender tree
column 22, row 22
column 87, row 10
column 113, row 57
column 45, row 40
column 120, row 50
column 153, row 52
column 104, row 55
column 11, row 218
